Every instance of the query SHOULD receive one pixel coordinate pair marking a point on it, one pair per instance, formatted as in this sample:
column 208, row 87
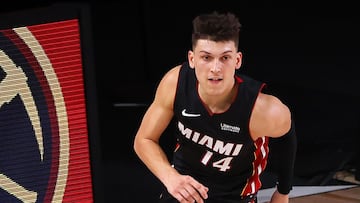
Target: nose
column 216, row 67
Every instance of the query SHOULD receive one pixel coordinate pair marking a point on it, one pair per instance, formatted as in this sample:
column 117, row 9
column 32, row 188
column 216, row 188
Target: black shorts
column 165, row 197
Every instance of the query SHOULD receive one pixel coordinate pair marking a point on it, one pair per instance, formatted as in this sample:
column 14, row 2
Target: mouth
column 215, row 79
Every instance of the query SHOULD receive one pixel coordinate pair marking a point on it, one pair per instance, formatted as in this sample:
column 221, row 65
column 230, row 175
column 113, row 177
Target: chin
column 214, row 92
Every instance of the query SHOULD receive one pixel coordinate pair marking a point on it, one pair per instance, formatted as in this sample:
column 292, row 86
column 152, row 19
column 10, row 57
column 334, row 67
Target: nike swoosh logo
column 189, row 114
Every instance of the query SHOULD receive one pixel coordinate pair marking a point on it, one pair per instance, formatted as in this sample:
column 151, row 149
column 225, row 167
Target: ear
column 191, row 58
column 238, row 60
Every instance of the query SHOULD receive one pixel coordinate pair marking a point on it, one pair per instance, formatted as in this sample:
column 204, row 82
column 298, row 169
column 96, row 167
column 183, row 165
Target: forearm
column 154, row 157
column 277, row 197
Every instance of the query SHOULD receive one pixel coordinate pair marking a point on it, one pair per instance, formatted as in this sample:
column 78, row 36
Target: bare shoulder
column 160, row 111
column 170, row 79
column 270, row 117
column 172, row 75
column 165, row 92
column 270, row 104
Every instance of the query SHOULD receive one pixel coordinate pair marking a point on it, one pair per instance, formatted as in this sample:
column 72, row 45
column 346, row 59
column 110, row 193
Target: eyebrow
column 225, row 52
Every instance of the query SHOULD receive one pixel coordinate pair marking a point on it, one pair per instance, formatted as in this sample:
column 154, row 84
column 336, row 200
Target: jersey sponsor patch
column 230, row 128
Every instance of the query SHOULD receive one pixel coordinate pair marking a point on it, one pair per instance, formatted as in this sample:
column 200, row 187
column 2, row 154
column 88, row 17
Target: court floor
column 317, row 194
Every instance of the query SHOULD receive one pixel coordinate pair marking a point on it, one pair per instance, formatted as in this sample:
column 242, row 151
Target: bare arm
column 270, row 117
column 146, row 144
column 154, row 122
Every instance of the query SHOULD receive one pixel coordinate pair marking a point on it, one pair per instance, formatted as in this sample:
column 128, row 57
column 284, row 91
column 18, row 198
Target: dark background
column 306, row 51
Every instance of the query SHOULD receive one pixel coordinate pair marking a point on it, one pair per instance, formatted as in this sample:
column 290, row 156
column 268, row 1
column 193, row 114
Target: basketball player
column 224, row 123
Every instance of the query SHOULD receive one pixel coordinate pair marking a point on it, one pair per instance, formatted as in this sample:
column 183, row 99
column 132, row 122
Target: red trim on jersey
column 261, row 154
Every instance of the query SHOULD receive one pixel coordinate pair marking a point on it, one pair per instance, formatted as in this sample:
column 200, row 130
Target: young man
column 224, row 123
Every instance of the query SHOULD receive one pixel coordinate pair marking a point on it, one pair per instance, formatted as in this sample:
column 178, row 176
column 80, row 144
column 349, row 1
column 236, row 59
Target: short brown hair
column 216, row 27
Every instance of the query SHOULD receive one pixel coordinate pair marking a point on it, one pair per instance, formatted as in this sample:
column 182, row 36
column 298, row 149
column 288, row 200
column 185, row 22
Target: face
column 215, row 64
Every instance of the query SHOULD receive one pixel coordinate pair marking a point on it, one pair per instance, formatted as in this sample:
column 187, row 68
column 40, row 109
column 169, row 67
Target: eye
column 226, row 58
column 206, row 57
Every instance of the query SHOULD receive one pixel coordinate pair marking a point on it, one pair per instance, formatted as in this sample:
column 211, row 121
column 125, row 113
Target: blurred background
column 307, row 52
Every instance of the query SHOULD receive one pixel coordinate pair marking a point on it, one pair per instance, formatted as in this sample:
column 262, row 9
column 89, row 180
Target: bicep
column 154, row 122
column 160, row 112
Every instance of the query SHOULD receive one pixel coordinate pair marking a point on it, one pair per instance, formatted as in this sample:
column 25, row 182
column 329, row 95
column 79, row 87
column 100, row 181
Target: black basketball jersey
column 216, row 149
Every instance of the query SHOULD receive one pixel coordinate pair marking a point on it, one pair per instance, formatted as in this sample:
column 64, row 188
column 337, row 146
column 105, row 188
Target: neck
column 219, row 103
